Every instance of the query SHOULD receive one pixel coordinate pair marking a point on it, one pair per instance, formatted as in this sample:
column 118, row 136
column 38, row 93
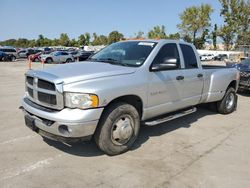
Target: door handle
column 200, row 75
column 180, row 78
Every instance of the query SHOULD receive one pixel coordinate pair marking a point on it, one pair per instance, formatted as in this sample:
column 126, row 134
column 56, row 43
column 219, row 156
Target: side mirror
column 167, row 64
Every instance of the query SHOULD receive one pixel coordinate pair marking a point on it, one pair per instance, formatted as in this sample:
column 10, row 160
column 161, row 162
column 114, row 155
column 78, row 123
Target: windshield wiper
column 92, row 59
column 111, row 61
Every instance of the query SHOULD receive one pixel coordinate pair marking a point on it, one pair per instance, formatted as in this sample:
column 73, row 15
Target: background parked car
column 244, row 68
column 57, row 57
column 82, row 55
column 27, row 52
column 3, row 56
column 37, row 57
column 221, row 57
column 10, row 51
column 207, row 57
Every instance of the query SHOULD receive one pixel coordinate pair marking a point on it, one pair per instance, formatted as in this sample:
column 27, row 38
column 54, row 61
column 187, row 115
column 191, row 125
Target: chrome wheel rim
column 122, row 130
column 230, row 101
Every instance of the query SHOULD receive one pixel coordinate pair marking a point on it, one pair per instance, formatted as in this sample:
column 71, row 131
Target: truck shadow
column 89, row 149
column 184, row 122
column 245, row 93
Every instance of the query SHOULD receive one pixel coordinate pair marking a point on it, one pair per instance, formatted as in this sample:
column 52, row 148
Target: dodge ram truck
column 124, row 85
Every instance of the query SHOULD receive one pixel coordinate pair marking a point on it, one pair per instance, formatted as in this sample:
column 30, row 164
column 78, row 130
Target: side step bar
column 171, row 117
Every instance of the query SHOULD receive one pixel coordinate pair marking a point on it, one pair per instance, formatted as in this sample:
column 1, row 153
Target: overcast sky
column 29, row 18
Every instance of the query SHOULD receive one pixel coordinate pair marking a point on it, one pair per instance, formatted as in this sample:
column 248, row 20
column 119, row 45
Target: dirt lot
column 203, row 149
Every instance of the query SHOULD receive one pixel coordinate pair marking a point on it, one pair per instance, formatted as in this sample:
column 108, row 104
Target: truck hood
column 75, row 72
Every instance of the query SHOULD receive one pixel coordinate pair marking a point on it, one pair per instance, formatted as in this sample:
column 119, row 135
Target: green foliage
column 187, row 38
column 195, row 21
column 175, row 36
column 236, row 22
column 158, row 32
column 200, row 41
column 114, row 36
column 87, row 38
column 139, row 34
column 99, row 40
column 214, row 36
column 64, row 40
column 74, row 43
column 81, row 40
column 243, row 37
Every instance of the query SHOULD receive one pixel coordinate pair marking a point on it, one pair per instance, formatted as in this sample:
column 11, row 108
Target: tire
column 229, row 102
column 13, row 58
column 117, row 129
column 48, row 60
column 68, row 60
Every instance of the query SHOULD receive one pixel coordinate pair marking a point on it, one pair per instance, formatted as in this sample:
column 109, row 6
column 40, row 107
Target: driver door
column 165, row 87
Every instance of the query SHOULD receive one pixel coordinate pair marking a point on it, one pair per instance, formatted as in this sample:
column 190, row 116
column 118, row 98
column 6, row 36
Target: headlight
column 80, row 100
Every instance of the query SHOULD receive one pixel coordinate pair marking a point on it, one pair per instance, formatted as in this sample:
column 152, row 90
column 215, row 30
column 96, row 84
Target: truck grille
column 46, row 85
column 244, row 76
column 43, row 92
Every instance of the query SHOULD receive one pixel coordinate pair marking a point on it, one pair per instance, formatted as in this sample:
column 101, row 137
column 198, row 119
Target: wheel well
column 130, row 99
column 233, row 84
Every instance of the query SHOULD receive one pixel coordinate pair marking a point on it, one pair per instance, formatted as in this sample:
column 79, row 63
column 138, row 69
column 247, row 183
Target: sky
column 29, row 18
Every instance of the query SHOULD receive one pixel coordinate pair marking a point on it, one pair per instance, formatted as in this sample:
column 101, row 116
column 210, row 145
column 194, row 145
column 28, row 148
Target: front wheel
column 229, row 102
column 13, row 58
column 118, row 129
column 48, row 60
column 68, row 60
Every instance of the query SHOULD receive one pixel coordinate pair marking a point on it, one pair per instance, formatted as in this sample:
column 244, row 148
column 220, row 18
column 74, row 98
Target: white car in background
column 207, row 57
column 57, row 57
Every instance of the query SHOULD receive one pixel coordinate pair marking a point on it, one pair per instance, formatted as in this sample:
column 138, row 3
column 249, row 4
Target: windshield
column 55, row 53
column 130, row 53
column 246, row 61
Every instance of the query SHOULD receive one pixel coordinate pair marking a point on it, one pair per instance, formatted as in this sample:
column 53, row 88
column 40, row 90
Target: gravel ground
column 203, row 149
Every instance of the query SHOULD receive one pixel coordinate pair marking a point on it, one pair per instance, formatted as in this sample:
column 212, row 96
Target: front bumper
column 57, row 125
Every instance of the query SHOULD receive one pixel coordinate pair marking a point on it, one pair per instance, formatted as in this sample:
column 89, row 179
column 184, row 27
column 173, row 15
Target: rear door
column 64, row 56
column 57, row 57
column 193, row 76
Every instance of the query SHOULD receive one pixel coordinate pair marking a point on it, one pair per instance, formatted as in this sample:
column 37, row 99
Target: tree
column 243, row 37
column 64, row 40
column 175, row 36
column 87, row 38
column 114, row 36
column 139, row 34
column 99, row 40
column 214, row 36
column 103, row 40
column 40, row 40
column 236, row 21
column 81, row 40
column 195, row 20
column 200, row 41
column 187, row 38
column 74, row 43
column 158, row 32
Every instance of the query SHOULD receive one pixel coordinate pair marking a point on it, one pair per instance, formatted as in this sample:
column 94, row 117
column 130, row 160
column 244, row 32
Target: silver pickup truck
column 124, row 85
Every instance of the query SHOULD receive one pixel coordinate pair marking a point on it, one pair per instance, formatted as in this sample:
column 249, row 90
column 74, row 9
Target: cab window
column 189, row 56
column 169, row 50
